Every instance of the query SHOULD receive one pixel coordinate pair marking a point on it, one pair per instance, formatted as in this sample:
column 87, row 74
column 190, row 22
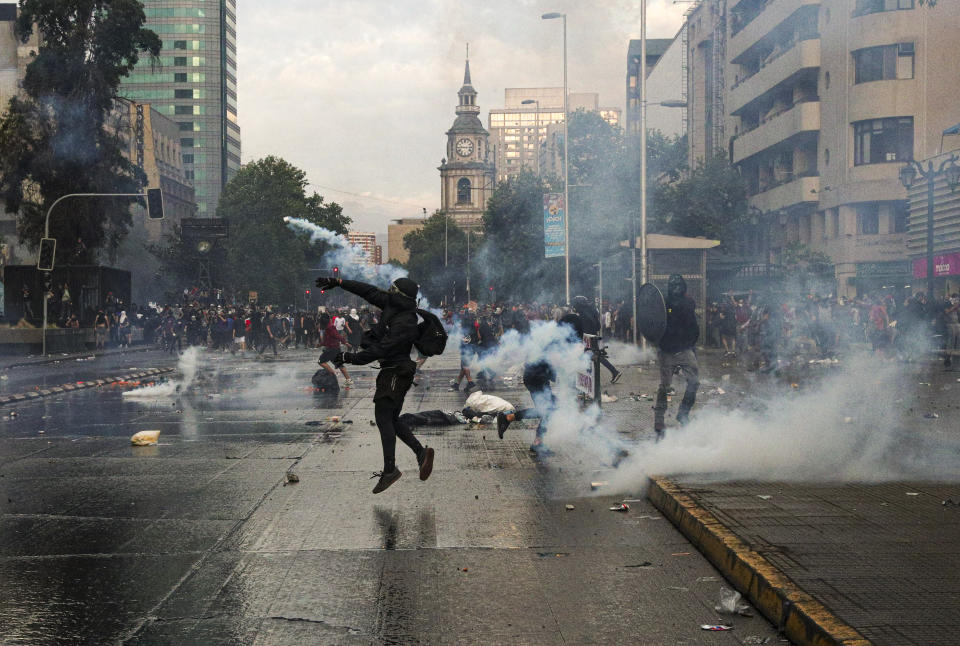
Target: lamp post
column 908, row 173
column 536, row 127
column 566, row 157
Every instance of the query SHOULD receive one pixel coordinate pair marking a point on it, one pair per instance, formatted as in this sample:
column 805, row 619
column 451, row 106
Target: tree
column 62, row 136
column 262, row 253
column 708, row 201
column 511, row 258
column 439, row 280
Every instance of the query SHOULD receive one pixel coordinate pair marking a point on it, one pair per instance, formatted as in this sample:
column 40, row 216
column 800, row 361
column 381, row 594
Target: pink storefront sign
column 943, row 265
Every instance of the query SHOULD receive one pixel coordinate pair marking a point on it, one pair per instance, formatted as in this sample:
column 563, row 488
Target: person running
column 390, row 342
column 677, row 353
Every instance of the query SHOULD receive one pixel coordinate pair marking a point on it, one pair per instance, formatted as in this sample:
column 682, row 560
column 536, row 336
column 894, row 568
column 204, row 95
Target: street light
column 908, row 174
column 536, row 127
column 566, row 156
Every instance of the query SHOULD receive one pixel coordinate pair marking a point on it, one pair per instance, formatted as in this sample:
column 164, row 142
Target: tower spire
column 466, row 71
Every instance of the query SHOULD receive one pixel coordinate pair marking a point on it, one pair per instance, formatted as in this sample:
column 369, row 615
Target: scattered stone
column 292, row 478
column 569, row 507
column 145, row 438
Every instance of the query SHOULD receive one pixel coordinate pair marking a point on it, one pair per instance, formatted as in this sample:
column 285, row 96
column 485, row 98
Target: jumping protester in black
column 389, row 341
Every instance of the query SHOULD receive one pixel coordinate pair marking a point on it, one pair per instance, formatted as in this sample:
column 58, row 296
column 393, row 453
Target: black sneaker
column 386, row 479
column 502, row 424
column 455, row 386
column 683, row 418
column 426, row 463
column 614, row 379
column 470, row 387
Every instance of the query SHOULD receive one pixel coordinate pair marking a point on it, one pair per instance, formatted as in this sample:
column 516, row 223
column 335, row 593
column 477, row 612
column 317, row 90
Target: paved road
column 199, row 541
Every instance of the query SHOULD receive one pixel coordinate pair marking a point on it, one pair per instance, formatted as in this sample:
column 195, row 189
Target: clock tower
column 466, row 173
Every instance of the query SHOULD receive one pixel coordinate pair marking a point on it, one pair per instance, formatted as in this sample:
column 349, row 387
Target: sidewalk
column 848, row 564
column 18, row 361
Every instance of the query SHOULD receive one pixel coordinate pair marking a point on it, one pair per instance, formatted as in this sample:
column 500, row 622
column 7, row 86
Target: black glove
column 325, row 282
column 342, row 358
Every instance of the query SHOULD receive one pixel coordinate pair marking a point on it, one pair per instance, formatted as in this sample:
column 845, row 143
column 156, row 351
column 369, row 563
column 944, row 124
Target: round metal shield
column 651, row 313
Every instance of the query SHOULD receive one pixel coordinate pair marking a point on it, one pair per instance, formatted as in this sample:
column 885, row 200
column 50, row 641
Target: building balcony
column 774, row 13
column 796, row 191
column 802, row 117
column 805, row 54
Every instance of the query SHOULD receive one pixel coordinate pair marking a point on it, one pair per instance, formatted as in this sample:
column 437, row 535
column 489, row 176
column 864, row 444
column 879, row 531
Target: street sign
column 48, row 250
column 203, row 228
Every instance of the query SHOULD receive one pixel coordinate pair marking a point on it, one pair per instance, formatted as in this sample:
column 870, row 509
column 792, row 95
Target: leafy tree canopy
column 442, row 277
column 262, row 253
column 64, row 134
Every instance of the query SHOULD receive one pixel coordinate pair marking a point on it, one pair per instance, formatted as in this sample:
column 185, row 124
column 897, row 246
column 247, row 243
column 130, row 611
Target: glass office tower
column 195, row 84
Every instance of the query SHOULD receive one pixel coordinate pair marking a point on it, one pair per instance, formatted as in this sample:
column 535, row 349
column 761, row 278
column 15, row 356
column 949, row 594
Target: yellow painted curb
column 803, row 619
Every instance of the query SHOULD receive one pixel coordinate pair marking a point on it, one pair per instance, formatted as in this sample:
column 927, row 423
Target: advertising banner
column 554, row 241
column 943, row 265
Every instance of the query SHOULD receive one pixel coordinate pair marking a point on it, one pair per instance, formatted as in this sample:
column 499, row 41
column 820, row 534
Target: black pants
column 265, row 341
column 428, row 418
column 392, row 386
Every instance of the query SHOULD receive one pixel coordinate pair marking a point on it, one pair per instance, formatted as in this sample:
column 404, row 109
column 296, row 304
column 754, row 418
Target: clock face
column 464, row 147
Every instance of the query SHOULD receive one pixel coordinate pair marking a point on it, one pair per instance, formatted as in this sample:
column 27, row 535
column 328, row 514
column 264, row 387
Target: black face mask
column 676, row 289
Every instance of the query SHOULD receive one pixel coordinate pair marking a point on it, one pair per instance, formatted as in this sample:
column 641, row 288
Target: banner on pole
column 554, row 212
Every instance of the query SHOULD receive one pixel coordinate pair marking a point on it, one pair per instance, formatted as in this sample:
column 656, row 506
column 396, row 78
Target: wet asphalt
column 200, row 540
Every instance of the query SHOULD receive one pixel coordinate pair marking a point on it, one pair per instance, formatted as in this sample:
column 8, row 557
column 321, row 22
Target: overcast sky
column 359, row 93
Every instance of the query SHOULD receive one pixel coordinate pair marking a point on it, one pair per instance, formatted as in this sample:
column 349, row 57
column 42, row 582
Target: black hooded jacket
column 391, row 339
column 683, row 329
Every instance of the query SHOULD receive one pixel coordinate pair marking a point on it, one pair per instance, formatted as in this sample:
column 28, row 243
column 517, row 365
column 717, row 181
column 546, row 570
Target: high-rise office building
column 521, row 135
column 195, row 84
column 366, row 241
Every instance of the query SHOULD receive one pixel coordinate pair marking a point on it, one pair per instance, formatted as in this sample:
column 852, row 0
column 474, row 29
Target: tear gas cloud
column 352, row 260
column 848, row 427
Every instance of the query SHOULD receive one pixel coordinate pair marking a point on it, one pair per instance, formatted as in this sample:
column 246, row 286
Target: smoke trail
column 186, row 366
column 350, row 258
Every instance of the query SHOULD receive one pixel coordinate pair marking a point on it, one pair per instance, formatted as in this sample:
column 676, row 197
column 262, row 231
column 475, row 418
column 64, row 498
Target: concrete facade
column 366, row 241
column 823, row 104
column 395, row 234
column 664, row 83
column 196, row 86
column 530, row 136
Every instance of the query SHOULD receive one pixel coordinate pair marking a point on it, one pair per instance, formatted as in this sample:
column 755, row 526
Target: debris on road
column 622, row 507
column 644, row 564
column 912, row 493
column 292, row 478
column 950, row 502
column 706, row 579
column 608, row 399
column 145, row 438
column 597, row 484
column 715, row 627
column 730, row 602
column 756, row 639
column 569, row 507
column 680, row 554
column 931, row 416
column 764, row 497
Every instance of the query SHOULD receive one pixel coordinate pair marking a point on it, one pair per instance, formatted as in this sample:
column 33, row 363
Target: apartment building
column 368, row 242
column 823, row 104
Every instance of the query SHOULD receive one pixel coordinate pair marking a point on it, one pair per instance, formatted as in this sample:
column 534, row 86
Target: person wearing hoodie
column 676, row 353
column 390, row 341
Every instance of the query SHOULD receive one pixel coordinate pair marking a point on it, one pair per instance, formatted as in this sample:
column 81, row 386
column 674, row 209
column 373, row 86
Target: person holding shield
column 676, row 353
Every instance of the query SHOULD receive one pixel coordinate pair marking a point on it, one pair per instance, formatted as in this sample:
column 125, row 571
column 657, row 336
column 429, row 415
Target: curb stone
column 56, row 390
column 799, row 616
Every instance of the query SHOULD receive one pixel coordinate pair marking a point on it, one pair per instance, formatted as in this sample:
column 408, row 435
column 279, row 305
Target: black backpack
column 431, row 337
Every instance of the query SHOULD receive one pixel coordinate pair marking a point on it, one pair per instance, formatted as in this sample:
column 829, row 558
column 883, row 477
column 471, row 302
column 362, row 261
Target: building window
column 179, row 44
column 183, row 109
column 183, row 94
column 186, row 126
column 180, row 77
column 868, row 219
column 186, row 143
column 900, row 215
column 180, row 61
column 463, row 191
column 877, row 141
column 188, row 159
column 884, row 63
column 864, row 7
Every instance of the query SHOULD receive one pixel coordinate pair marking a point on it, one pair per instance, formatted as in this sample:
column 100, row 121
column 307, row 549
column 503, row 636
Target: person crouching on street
column 676, row 353
column 390, row 341
column 331, row 348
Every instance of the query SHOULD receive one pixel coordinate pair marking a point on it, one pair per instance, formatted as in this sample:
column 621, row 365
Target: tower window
column 463, row 191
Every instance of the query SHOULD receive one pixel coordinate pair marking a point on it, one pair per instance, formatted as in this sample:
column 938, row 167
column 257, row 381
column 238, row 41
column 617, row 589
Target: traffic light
column 306, row 293
column 336, row 272
column 48, row 249
column 155, row 203
column 47, row 281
